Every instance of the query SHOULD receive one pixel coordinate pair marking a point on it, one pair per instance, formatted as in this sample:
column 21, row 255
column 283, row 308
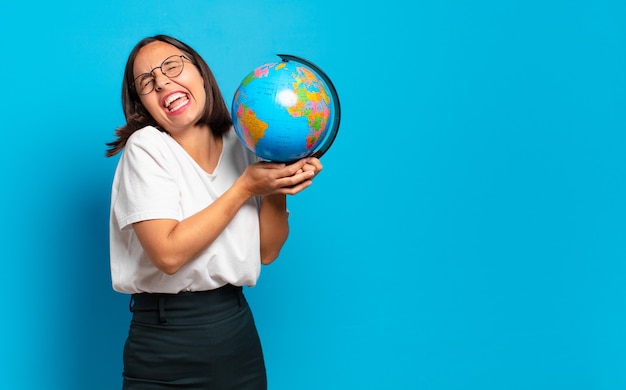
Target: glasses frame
column 160, row 67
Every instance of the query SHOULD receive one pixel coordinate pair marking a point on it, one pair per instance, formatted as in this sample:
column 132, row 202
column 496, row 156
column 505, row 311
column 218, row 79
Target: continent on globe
column 253, row 128
column 314, row 104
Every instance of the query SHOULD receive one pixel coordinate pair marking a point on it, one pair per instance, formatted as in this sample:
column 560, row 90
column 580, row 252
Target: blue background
column 467, row 231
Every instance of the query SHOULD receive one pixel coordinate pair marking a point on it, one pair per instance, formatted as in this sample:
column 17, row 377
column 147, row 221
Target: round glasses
column 171, row 67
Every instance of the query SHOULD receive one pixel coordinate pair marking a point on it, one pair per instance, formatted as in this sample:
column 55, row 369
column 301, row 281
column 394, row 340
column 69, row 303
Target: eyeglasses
column 171, row 67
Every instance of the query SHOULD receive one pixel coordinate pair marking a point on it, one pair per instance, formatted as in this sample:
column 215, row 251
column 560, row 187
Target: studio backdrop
column 467, row 231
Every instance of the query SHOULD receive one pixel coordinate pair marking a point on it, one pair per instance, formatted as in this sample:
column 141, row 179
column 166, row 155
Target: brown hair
column 216, row 114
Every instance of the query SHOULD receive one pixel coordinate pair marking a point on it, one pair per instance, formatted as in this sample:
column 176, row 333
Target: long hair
column 216, row 114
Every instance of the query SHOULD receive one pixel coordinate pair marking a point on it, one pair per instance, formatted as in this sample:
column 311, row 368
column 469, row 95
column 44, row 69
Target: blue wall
column 468, row 231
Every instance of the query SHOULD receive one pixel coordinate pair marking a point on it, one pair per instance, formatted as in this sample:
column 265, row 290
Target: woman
column 193, row 216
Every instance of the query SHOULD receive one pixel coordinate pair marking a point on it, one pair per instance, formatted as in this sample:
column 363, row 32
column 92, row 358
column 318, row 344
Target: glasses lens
column 172, row 66
column 144, row 83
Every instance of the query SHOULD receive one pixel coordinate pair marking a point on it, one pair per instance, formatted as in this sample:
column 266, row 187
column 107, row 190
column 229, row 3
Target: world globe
column 286, row 110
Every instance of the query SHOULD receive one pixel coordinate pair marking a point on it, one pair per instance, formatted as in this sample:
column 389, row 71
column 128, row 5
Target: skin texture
column 171, row 244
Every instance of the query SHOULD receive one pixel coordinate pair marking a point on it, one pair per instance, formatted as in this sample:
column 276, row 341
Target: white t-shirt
column 157, row 179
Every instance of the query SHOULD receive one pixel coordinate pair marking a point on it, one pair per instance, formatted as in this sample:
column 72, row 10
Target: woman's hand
column 312, row 164
column 266, row 178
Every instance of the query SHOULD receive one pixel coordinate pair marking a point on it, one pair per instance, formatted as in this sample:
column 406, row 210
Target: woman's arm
column 274, row 226
column 273, row 217
column 170, row 244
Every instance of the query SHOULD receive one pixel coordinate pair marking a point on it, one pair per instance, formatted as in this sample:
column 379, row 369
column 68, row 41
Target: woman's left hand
column 312, row 164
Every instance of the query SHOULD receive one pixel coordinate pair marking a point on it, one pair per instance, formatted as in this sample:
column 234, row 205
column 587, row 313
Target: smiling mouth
column 176, row 101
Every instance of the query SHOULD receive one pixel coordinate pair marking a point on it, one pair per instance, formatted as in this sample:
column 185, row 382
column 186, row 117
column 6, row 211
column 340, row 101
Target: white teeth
column 180, row 103
column 172, row 98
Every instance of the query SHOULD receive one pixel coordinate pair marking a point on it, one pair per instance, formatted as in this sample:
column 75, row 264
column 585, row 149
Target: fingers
column 294, row 177
column 279, row 178
column 309, row 164
column 314, row 164
column 292, row 190
column 297, row 178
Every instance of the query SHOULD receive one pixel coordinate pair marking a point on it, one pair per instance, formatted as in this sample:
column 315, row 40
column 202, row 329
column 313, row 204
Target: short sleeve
column 146, row 180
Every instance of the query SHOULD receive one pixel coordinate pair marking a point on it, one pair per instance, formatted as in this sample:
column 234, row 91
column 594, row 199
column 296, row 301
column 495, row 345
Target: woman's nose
column 160, row 80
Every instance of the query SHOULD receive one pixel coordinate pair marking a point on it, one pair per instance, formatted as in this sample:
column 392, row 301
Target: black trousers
column 193, row 341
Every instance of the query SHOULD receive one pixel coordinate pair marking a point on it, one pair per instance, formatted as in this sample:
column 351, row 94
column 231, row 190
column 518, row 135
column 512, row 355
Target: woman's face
column 177, row 102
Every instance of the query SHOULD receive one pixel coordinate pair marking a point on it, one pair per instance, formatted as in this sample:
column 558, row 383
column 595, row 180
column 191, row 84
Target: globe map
column 282, row 110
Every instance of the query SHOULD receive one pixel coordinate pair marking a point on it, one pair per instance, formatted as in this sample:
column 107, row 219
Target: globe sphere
column 286, row 110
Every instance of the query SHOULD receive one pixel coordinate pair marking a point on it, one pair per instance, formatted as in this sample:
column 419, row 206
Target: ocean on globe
column 286, row 110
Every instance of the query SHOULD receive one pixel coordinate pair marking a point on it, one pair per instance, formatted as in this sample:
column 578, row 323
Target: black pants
column 193, row 340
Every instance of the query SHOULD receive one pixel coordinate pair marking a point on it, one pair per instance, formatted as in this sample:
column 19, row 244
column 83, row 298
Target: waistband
column 188, row 307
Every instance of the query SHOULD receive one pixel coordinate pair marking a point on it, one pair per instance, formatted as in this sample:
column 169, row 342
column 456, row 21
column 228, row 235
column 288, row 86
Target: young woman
column 193, row 217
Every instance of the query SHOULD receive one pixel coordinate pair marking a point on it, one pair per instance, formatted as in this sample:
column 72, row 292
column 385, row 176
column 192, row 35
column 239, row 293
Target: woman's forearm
column 274, row 226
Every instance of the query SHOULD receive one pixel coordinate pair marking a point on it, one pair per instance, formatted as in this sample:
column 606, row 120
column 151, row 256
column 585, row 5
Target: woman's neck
column 204, row 147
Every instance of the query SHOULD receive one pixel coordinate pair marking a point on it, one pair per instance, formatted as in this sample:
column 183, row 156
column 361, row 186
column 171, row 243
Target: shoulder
column 150, row 141
column 146, row 136
column 148, row 145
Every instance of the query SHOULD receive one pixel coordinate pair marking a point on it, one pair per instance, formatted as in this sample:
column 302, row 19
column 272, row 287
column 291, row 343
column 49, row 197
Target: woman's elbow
column 269, row 257
column 168, row 266
column 169, row 270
